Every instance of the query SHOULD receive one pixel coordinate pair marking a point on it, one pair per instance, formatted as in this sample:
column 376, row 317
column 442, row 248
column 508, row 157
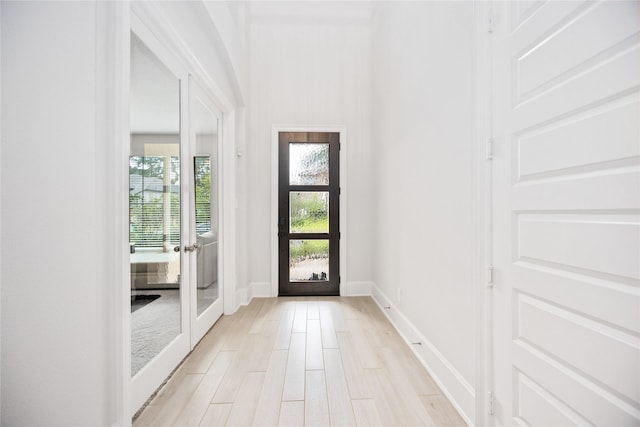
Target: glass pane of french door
column 154, row 206
column 205, row 129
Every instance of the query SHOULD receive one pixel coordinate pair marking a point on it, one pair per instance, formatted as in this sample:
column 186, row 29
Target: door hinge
column 489, row 276
column 490, row 402
column 490, row 23
column 490, row 149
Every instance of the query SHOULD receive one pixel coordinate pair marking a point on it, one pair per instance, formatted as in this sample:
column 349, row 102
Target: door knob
column 195, row 247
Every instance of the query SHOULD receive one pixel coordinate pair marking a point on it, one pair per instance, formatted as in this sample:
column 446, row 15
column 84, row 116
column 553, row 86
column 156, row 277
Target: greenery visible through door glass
column 202, row 176
column 308, row 260
column 309, row 212
column 148, row 226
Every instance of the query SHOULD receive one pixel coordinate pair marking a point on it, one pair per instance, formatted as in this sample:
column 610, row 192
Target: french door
column 566, row 222
column 308, row 213
column 205, row 135
column 174, row 213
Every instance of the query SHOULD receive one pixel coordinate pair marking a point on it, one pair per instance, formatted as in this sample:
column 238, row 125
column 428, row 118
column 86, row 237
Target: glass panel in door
column 207, row 287
column 154, row 206
column 206, row 206
column 205, row 275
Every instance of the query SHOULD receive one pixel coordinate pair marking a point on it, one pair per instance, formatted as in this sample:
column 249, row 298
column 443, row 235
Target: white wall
column 57, row 363
column 309, row 66
column 422, row 127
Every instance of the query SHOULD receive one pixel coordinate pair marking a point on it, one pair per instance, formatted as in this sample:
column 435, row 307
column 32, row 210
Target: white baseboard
column 454, row 386
column 260, row 290
column 358, row 289
column 243, row 297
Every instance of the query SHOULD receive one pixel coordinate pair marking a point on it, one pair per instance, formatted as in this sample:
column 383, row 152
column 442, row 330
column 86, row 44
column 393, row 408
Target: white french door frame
column 117, row 18
column 274, row 201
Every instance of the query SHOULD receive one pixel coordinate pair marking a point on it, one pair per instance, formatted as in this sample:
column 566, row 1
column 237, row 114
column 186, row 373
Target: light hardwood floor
column 314, row 361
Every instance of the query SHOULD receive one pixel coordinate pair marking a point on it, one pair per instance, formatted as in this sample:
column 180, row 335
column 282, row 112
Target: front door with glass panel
column 308, row 213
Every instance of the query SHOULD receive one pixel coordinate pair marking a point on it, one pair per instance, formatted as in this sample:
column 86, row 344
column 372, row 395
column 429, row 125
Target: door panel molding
column 565, row 215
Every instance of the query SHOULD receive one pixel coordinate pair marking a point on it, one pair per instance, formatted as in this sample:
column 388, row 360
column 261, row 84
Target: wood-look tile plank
column 172, row 386
column 295, row 372
column 392, row 407
column 148, row 417
column 351, row 308
column 280, row 306
column 206, row 351
column 300, row 318
column 405, row 367
column 367, row 355
column 216, row 415
column 359, row 388
column 230, row 384
column 268, row 408
column 366, row 413
column 337, row 317
column 313, row 311
column 383, row 408
column 174, row 404
column 329, row 339
column 199, row 401
column 263, row 314
column 340, row 409
column 291, row 414
column 244, row 407
column 314, row 345
column 400, row 394
column 260, row 346
column 238, row 331
column 316, row 407
column 283, row 335
column 442, row 411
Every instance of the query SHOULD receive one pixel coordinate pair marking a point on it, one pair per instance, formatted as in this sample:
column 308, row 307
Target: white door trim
column 112, row 84
column 342, row 130
column 482, row 176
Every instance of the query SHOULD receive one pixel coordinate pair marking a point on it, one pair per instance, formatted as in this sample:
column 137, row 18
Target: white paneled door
column 566, row 213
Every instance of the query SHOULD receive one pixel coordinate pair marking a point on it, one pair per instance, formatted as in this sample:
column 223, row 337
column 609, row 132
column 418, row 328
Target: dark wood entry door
column 309, row 213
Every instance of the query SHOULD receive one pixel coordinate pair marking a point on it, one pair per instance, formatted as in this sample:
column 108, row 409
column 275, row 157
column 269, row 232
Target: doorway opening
column 308, row 213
